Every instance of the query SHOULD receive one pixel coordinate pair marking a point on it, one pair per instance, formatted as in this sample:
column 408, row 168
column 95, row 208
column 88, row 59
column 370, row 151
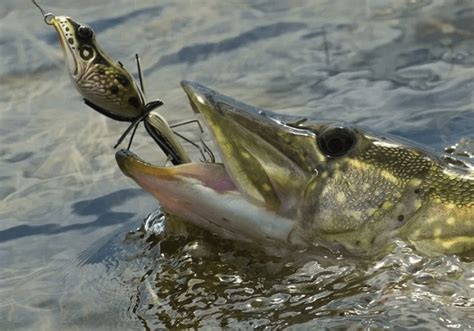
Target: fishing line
column 41, row 9
column 48, row 17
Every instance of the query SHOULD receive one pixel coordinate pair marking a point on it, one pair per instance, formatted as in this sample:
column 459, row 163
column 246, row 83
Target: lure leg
column 148, row 108
column 131, row 137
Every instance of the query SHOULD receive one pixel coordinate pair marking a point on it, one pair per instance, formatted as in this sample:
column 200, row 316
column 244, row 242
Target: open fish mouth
column 211, row 175
column 240, row 198
column 249, row 141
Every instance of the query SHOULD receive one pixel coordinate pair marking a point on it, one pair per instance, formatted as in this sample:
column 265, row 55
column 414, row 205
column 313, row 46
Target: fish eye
column 336, row 141
column 84, row 32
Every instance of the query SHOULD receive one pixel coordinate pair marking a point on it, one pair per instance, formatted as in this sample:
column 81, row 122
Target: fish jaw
column 257, row 148
column 205, row 195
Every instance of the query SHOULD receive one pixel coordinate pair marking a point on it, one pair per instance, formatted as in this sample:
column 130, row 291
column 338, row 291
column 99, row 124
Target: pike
column 299, row 182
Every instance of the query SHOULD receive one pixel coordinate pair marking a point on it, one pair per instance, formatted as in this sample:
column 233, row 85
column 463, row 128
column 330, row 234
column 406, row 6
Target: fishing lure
column 107, row 87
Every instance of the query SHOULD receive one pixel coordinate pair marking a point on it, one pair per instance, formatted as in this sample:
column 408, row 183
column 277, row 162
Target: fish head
column 291, row 179
column 102, row 81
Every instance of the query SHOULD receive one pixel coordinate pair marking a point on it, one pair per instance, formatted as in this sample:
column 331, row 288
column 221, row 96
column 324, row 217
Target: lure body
column 108, row 87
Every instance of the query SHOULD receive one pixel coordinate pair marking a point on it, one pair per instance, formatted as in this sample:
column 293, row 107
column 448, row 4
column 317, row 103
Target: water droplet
column 155, row 222
column 424, row 279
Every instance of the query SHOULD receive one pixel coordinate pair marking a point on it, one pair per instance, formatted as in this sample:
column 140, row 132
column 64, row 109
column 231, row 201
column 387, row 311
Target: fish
column 298, row 182
column 107, row 87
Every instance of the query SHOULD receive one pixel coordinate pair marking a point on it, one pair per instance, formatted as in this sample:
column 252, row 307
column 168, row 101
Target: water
column 70, row 254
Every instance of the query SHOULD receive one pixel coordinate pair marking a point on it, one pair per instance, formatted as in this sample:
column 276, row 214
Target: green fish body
column 293, row 181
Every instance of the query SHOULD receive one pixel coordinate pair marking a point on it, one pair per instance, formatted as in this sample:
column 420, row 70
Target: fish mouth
column 257, row 147
column 258, row 185
column 261, row 150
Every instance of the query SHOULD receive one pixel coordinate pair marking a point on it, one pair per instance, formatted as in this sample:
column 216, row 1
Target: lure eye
column 86, row 52
column 84, row 32
column 337, row 141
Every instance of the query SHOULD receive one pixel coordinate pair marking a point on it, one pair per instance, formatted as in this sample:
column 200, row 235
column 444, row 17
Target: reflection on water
column 203, row 281
column 69, row 252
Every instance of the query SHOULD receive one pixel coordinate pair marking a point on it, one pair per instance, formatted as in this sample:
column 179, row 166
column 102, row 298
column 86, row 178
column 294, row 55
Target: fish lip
column 125, row 160
column 130, row 164
column 210, row 175
column 197, row 91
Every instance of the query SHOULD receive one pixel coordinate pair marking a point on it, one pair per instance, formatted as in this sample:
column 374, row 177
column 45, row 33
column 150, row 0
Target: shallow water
column 70, row 254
